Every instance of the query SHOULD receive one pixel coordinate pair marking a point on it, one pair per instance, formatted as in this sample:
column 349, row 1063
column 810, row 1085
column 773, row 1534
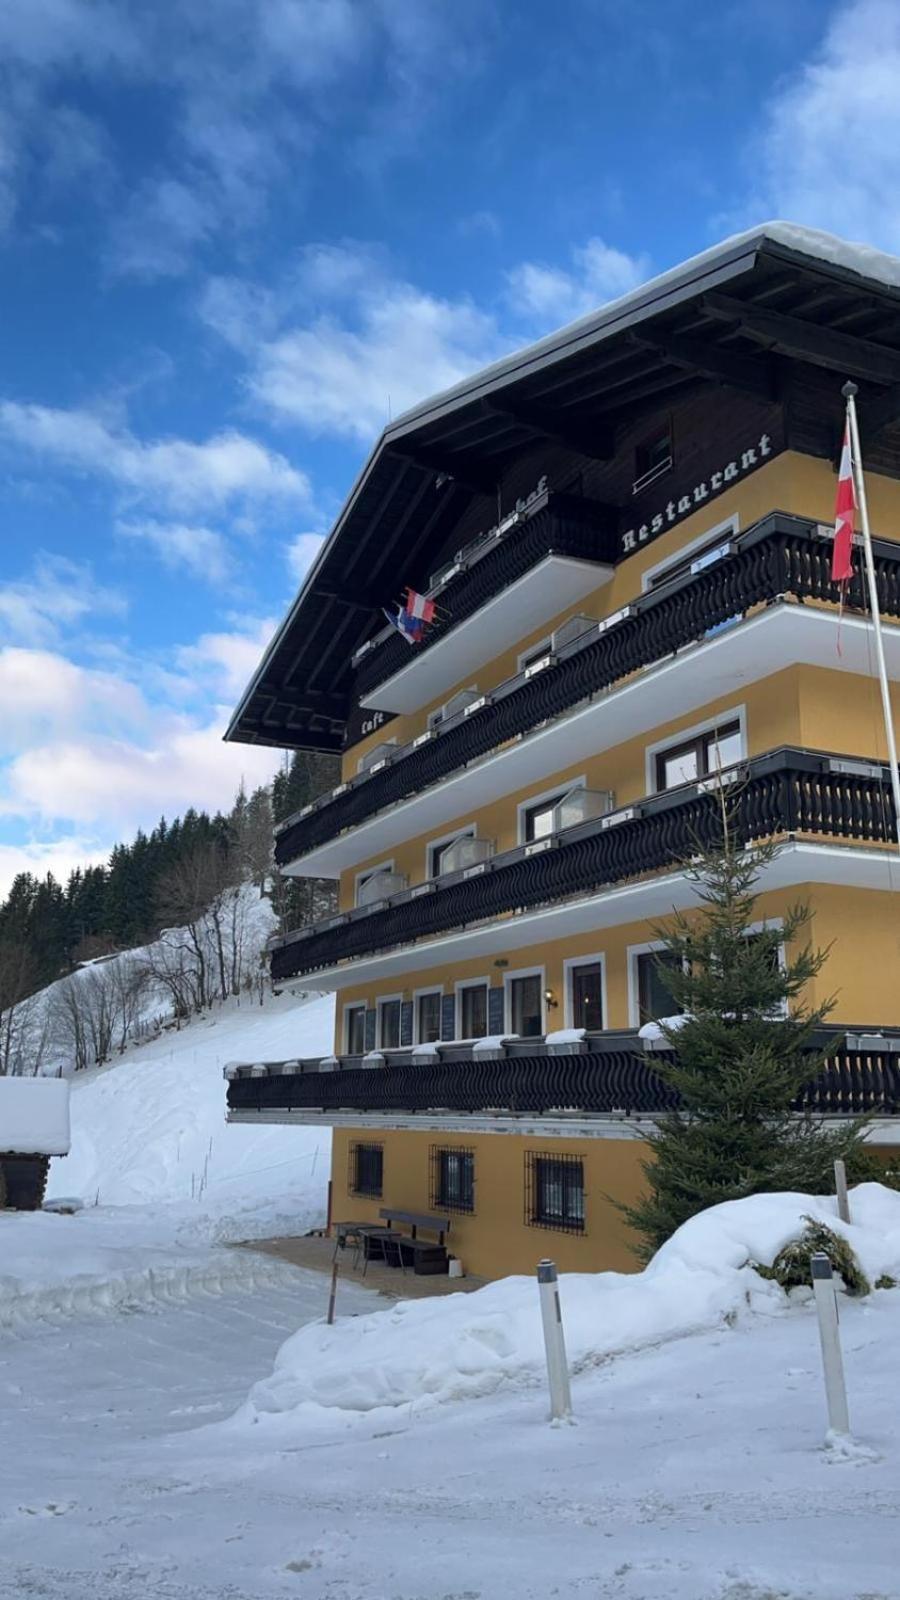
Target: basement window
column 452, row 1179
column 554, row 1192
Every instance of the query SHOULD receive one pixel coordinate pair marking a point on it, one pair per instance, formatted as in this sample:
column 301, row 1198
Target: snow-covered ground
column 163, row 1179
column 695, row 1471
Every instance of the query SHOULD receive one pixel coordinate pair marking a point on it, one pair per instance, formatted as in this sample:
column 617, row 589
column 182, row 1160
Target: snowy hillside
column 149, row 1128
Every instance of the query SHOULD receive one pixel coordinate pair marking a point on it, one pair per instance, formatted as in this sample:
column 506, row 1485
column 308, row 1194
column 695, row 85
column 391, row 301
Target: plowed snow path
column 695, row 1472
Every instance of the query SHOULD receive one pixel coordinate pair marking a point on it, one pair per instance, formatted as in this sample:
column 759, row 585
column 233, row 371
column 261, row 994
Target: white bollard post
column 840, row 1189
column 830, row 1336
column 554, row 1343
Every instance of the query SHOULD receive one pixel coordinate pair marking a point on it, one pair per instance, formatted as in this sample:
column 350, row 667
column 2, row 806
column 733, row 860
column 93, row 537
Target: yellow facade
column 814, row 707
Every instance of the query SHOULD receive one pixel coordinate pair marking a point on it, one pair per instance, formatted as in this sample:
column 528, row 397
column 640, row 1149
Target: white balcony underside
column 782, row 636
column 883, row 1130
column 855, row 866
column 544, row 591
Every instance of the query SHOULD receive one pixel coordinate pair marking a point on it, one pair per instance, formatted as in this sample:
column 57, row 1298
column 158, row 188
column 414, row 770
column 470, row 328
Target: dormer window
column 652, row 458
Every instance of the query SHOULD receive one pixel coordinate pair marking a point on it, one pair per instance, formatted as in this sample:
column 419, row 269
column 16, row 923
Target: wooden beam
column 434, row 461
column 560, row 427
column 731, row 367
column 317, row 701
column 822, row 347
column 877, row 414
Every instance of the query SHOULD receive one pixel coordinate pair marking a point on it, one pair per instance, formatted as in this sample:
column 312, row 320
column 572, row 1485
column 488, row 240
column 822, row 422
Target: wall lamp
column 550, row 998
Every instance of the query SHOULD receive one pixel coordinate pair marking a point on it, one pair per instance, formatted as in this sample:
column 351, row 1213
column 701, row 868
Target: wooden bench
column 426, row 1256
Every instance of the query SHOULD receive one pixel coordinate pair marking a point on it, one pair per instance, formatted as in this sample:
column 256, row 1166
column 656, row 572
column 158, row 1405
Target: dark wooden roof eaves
column 722, row 314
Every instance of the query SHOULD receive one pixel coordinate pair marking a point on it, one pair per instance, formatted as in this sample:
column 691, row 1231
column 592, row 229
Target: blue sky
column 236, row 236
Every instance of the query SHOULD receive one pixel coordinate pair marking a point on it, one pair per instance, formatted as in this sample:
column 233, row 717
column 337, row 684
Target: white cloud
column 301, row 553
column 550, row 295
column 58, row 595
column 160, row 227
column 118, row 784
column 59, row 856
column 226, row 468
column 43, row 692
column 368, row 347
column 225, row 662
column 829, row 151
column 200, row 551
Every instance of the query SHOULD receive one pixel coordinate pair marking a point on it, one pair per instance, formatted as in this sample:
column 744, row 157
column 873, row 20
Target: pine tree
column 740, row 1055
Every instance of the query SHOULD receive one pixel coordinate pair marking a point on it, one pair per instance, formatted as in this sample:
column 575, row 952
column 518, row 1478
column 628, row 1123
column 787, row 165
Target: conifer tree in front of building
column 741, row 1050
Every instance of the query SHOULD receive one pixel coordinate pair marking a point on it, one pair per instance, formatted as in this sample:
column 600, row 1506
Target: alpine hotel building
column 626, row 529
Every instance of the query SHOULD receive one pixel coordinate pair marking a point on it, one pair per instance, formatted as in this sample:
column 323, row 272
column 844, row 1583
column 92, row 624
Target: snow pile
column 34, row 1116
column 149, row 1128
column 423, row 1352
column 100, row 1262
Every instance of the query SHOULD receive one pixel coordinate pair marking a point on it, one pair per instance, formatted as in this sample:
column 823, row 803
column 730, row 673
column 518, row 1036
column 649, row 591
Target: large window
column 526, row 1009
column 472, row 1011
column 388, row 1024
column 355, row 1029
column 452, row 1179
column 554, row 1192
column 653, row 995
column 586, row 995
column 428, row 1017
column 366, row 1169
column 537, row 820
column 699, row 756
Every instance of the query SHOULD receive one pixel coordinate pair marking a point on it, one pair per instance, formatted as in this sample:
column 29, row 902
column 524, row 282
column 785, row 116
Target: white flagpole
column 849, row 392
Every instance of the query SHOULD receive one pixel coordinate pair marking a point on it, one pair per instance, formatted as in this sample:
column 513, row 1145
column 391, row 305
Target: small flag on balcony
column 844, row 516
column 410, row 628
column 418, row 608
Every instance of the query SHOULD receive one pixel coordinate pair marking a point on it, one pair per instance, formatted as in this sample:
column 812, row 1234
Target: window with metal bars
column 452, row 1179
column 366, row 1169
column 554, row 1191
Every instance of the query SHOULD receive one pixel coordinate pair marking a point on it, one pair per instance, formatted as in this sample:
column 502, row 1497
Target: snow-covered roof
column 34, row 1116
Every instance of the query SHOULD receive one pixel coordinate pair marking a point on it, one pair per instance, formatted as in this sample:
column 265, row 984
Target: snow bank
column 34, row 1116
column 423, row 1352
column 101, row 1262
column 149, row 1128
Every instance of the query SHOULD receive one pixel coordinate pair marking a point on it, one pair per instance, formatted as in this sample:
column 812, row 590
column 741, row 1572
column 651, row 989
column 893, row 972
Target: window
column 526, row 1005
column 388, row 1024
column 537, row 820
column 652, row 458
column 435, row 717
column 366, row 1169
column 428, row 1017
column 654, row 998
column 535, row 652
column 473, row 1011
column 452, row 1179
column 554, row 1192
column 698, row 550
column 699, row 756
column 586, row 995
column 438, row 849
column 364, row 877
column 355, row 1030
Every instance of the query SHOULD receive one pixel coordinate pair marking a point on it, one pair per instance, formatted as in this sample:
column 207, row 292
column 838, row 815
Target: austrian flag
column 844, row 509
column 418, row 607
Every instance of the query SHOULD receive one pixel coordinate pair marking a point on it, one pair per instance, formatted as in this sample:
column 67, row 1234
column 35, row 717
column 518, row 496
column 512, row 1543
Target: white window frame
column 470, row 831
column 509, row 979
column 352, row 1005
column 634, row 994
column 543, row 645
column 368, row 872
column 468, row 983
column 380, row 1000
column 759, row 927
column 558, row 791
column 362, row 758
column 736, row 714
column 569, row 965
column 430, row 988
column 731, row 526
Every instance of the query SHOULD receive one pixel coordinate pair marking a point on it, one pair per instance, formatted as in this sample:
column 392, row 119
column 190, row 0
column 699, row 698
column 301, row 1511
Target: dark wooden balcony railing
column 781, row 555
column 787, row 791
column 559, row 524
column 610, row 1074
